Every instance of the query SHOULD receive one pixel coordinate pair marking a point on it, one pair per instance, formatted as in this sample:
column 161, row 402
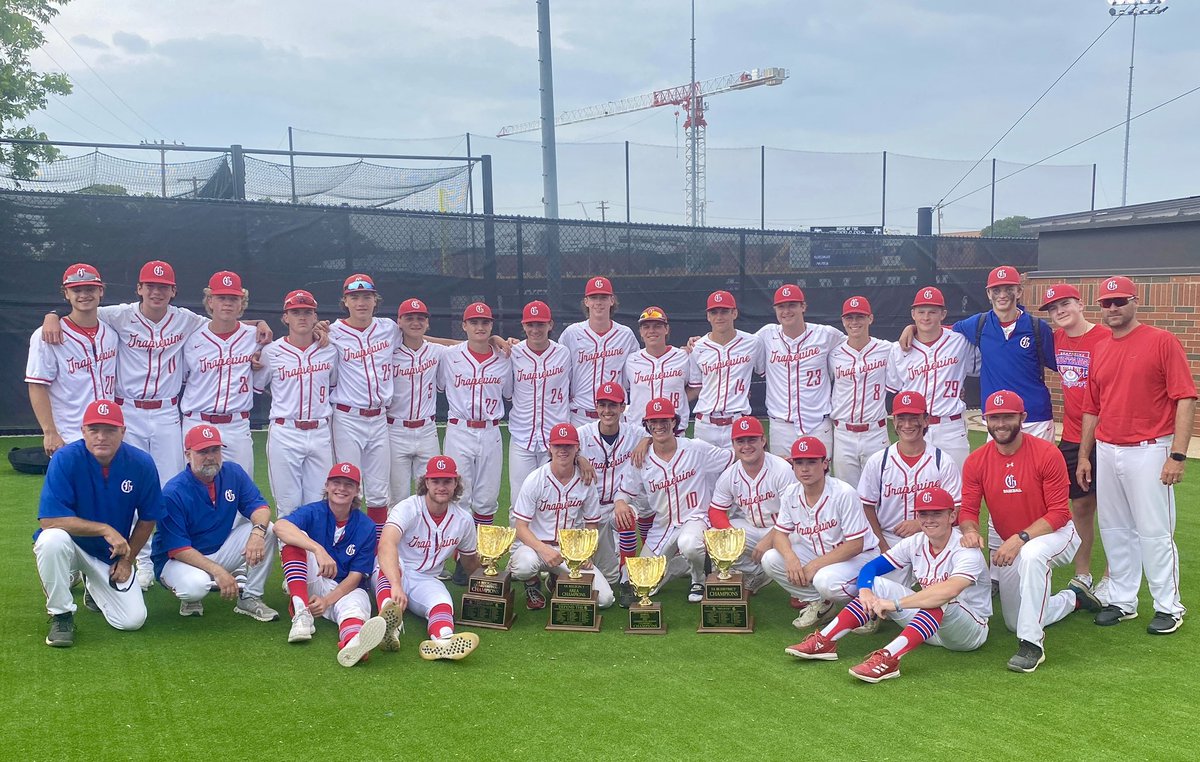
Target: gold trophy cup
column 573, row 604
column 493, row 542
column 577, row 546
column 724, row 546
column 488, row 600
column 645, row 616
column 724, row 607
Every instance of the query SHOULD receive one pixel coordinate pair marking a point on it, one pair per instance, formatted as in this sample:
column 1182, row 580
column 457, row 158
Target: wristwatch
column 1178, row 456
column 1024, row 536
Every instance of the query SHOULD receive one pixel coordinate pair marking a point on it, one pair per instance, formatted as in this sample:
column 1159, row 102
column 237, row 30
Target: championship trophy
column 573, row 599
column 488, row 601
column 724, row 607
column 645, row 616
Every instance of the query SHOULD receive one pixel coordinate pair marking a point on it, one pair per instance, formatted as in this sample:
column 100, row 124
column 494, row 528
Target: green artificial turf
column 225, row 687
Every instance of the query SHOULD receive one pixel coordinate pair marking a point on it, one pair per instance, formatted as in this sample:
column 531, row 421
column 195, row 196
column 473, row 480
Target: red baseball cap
column 412, row 307
column 477, row 310
column 1004, row 275
column 808, row 447
column 659, row 408
column 653, row 315
column 1060, row 291
column 299, row 300
column 202, row 437
column 564, row 433
column 598, row 285
column 157, row 271
column 611, row 392
column 856, row 305
column 933, row 499
column 103, row 411
column 1115, row 287
column 746, row 426
column 930, row 296
column 1004, row 401
column 536, row 312
column 721, row 300
column 81, row 274
column 788, row 292
column 345, row 471
column 225, row 283
column 358, row 282
column 441, row 467
column 909, row 403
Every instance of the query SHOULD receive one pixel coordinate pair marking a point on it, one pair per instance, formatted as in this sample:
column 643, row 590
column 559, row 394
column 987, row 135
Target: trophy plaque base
column 646, row 620
column 575, row 614
column 495, row 586
column 573, row 589
column 724, row 608
column 491, row 611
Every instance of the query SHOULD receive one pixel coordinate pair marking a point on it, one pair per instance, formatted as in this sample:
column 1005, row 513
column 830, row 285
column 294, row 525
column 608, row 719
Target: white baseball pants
column 715, row 434
column 411, row 451
column 525, row 563
column 58, row 557
column 784, row 434
column 687, row 540
column 607, row 558
column 851, row 449
column 363, row 441
column 479, row 454
column 298, row 464
column 1025, row 596
column 159, row 433
column 355, row 604
column 951, row 437
column 836, row 582
column 190, row 583
column 521, row 463
column 960, row 630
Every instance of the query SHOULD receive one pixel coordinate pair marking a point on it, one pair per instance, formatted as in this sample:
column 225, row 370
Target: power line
column 133, row 130
column 64, row 104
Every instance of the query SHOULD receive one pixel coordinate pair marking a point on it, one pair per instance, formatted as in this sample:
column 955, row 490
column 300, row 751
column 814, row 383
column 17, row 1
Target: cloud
column 85, row 41
column 131, row 43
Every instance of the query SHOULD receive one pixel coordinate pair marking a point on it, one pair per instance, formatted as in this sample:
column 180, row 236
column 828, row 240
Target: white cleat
column 455, row 647
column 191, row 608
column 870, row 628
column 370, row 636
column 812, row 614
column 390, row 613
column 303, row 627
column 145, row 576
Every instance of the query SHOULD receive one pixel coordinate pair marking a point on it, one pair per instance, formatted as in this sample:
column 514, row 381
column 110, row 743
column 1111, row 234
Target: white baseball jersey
column 79, row 371
column 836, row 517
column 649, row 377
column 754, row 498
column 364, row 363
column 300, row 379
column 549, row 505
column 595, row 359
column 675, row 490
column 148, row 361
column 860, row 381
column 414, row 381
column 540, row 394
column 797, row 373
column 475, row 390
column 890, row 484
column 218, row 373
column 611, row 461
column 425, row 544
column 938, row 371
column 725, row 371
column 953, row 561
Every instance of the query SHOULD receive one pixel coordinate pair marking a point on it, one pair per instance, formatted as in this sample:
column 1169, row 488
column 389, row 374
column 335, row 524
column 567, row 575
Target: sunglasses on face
column 1116, row 301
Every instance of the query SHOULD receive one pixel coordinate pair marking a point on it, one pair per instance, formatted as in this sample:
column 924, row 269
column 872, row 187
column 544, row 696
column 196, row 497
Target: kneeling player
column 328, row 553
column 950, row 610
column 422, row 532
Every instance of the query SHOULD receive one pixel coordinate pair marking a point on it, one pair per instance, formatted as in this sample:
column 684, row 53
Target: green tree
column 108, row 189
column 22, row 89
column 1009, row 227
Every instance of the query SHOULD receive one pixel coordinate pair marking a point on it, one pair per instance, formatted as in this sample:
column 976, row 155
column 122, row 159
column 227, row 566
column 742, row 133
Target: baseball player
column 1076, row 344
column 366, row 346
column 95, row 490
column 541, row 392
column 820, row 538
column 1138, row 415
column 412, row 432
column 659, row 370
column 724, row 359
column 300, row 373
column 554, row 497
column 937, row 367
column 796, row 354
column 746, row 496
column 200, row 540
column 1023, row 479
column 328, row 554
column 674, row 488
column 218, row 372
column 63, row 379
column 421, row 534
column 598, row 348
column 950, row 609
column 858, row 368
column 607, row 443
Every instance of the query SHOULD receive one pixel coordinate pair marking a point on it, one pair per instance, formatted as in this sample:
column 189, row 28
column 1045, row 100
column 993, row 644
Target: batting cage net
column 450, row 260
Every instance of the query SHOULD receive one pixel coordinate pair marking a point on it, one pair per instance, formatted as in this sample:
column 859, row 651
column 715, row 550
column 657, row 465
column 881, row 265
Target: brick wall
column 1165, row 301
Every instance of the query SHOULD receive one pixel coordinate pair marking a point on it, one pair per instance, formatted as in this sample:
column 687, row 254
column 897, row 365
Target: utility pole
column 603, row 208
column 162, row 160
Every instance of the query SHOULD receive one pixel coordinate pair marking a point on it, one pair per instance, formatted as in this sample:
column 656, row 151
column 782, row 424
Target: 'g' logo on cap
column 1049, row 293
column 158, row 270
column 927, row 294
column 1002, row 273
column 998, row 399
column 479, row 308
column 533, row 310
column 927, row 497
column 745, row 426
column 226, row 281
column 415, row 304
column 345, row 468
column 80, row 273
column 562, row 431
column 657, row 407
column 853, row 302
column 598, row 283
column 608, row 389
column 102, row 409
column 906, row 400
column 802, row 447
column 1111, row 285
column 717, row 297
column 441, row 465
column 206, row 432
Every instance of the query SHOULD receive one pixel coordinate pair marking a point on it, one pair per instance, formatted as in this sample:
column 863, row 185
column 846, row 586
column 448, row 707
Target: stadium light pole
column 1132, row 8
column 546, row 77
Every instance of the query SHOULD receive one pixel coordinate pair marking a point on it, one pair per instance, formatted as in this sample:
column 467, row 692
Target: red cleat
column 816, row 646
column 879, row 666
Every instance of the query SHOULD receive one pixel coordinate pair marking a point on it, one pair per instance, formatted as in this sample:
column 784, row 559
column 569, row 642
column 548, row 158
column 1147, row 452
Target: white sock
column 298, row 604
column 444, row 633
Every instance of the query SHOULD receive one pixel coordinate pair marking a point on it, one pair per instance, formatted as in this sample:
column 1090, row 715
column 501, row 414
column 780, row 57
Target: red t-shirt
column 1074, row 356
column 1135, row 382
column 1021, row 488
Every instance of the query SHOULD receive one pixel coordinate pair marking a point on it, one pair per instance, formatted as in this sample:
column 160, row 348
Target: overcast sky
column 929, row 79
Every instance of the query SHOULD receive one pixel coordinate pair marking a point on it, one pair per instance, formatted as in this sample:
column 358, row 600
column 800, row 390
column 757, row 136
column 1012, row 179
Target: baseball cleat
column 628, row 597
column 363, row 643
column 395, row 625
column 1164, row 624
column 89, row 602
column 1083, row 580
column 1027, row 658
column 879, row 666
column 254, row 607
column 62, row 630
column 534, row 598
column 1085, row 599
column 145, row 576
column 816, row 646
column 1110, row 615
column 1102, row 589
column 303, row 627
column 455, row 647
column 870, row 628
column 76, row 579
column 812, row 614
column 191, row 608
column 696, row 593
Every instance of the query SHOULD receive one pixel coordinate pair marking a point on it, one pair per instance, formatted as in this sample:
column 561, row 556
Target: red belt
column 859, row 428
column 1134, row 444
column 302, row 425
column 588, row 413
column 411, row 424
column 716, row 421
column 364, row 412
column 226, row 418
column 938, row 419
column 474, row 424
column 148, row 404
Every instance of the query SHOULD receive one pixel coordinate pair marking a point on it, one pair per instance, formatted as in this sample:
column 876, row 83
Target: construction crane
column 683, row 95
